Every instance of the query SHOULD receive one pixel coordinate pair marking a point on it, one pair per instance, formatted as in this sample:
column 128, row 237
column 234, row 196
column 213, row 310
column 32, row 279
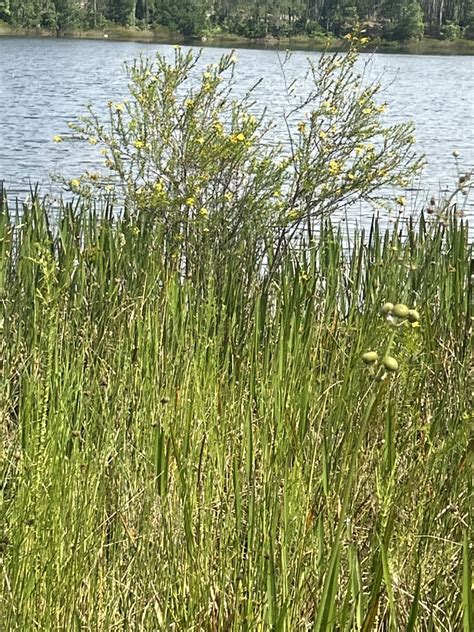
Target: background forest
column 390, row 19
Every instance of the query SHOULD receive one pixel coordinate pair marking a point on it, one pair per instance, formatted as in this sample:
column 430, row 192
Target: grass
column 212, row 454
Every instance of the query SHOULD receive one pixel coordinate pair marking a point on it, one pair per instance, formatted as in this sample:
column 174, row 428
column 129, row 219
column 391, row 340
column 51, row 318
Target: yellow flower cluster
column 330, row 108
column 236, row 138
column 334, row 167
column 218, row 127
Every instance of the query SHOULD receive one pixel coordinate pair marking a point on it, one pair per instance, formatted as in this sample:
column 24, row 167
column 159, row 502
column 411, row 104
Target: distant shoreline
column 426, row 46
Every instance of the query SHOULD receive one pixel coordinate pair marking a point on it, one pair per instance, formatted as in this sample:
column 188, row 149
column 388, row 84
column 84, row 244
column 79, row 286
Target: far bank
column 163, row 35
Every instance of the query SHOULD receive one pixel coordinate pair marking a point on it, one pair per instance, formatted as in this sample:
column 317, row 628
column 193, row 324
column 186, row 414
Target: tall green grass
column 211, row 453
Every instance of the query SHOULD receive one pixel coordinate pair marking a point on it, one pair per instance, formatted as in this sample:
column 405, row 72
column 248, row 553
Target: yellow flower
column 190, row 201
column 367, row 111
column 334, row 167
column 364, row 40
column 200, row 140
column 203, row 212
column 351, row 175
column 322, row 135
column 218, row 127
column 57, row 139
column 74, row 183
column 301, row 127
column 119, row 107
column 92, row 141
column 189, row 103
column 401, row 200
column 292, row 215
column 159, row 188
column 103, row 151
column 139, row 144
column 228, row 196
column 348, row 37
column 236, row 138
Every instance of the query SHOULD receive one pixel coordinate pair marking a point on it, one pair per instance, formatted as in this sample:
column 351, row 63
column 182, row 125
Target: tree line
column 390, row 19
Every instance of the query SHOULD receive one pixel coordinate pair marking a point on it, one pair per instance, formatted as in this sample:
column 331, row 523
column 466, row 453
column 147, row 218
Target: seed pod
column 390, row 364
column 400, row 310
column 370, row 357
column 413, row 316
column 387, row 308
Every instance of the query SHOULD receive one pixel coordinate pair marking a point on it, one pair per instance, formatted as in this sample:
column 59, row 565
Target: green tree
column 188, row 16
column 5, row 14
column 122, row 11
column 405, row 20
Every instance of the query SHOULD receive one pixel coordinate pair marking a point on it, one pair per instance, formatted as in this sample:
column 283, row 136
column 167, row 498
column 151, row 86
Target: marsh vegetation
column 219, row 411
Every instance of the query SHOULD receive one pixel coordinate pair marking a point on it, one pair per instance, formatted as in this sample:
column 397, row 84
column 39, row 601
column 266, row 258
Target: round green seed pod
column 413, row 316
column 390, row 364
column 370, row 357
column 387, row 308
column 400, row 310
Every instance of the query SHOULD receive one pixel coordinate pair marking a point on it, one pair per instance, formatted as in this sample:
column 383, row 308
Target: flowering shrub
column 190, row 159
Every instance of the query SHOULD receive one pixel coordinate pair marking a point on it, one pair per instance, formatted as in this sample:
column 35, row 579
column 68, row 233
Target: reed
column 216, row 455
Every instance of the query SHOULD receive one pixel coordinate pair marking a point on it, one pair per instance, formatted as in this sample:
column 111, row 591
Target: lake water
column 44, row 83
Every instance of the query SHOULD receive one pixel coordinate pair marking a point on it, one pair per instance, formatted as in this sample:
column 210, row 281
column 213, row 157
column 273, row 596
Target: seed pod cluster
column 401, row 311
column 370, row 358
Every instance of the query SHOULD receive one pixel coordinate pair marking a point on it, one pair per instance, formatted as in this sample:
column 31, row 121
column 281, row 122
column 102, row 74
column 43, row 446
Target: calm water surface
column 44, row 83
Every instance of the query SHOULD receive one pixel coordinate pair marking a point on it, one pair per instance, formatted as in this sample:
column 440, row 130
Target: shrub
column 450, row 31
column 186, row 156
